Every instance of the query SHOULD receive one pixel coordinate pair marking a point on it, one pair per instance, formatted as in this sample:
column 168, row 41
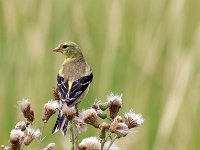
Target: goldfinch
column 73, row 81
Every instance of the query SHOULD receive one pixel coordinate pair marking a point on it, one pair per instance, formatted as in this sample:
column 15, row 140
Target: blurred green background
column 149, row 50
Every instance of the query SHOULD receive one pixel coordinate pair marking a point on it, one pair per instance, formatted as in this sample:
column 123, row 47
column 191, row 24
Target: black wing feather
column 78, row 87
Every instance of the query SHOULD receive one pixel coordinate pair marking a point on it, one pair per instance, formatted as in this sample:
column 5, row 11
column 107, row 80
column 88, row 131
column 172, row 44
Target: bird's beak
column 57, row 49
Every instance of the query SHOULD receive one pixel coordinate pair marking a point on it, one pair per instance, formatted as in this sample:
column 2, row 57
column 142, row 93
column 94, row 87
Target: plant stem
column 43, row 126
column 102, row 143
column 74, row 134
column 72, row 137
column 112, row 141
column 103, row 137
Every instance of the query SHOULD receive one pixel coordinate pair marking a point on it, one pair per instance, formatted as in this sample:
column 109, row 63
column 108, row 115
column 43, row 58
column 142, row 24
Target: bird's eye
column 64, row 46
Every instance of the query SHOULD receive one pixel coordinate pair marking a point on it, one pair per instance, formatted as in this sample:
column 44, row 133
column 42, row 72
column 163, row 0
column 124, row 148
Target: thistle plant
column 103, row 116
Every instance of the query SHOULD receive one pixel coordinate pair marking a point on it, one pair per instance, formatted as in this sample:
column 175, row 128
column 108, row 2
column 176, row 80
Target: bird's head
column 69, row 49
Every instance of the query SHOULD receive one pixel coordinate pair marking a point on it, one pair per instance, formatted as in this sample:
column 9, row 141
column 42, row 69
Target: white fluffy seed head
column 50, row 109
column 24, row 104
column 91, row 143
column 35, row 133
column 119, row 127
column 132, row 119
column 16, row 134
column 70, row 112
column 53, row 105
column 31, row 135
column 21, row 125
column 89, row 116
column 115, row 98
column 81, row 126
column 88, row 112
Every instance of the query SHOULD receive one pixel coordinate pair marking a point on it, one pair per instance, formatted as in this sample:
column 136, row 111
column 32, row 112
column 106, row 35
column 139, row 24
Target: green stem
column 72, row 137
column 74, row 134
column 102, row 143
column 112, row 141
column 41, row 138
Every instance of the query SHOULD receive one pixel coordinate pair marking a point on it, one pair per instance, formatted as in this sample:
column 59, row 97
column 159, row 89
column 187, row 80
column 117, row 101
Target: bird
column 73, row 81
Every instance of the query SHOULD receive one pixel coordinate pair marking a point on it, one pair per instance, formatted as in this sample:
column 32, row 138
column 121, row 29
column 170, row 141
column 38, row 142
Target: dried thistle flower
column 50, row 109
column 22, row 125
column 16, row 139
column 119, row 127
column 70, row 112
column 5, row 147
column 31, row 135
column 104, row 127
column 132, row 119
column 91, row 143
column 25, row 107
column 89, row 116
column 115, row 103
column 80, row 125
column 50, row 146
column 55, row 93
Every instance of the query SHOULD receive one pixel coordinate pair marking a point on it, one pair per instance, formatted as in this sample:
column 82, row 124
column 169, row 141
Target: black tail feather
column 61, row 124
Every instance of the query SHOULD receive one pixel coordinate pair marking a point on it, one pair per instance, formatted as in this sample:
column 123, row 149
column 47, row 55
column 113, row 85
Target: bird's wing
column 70, row 91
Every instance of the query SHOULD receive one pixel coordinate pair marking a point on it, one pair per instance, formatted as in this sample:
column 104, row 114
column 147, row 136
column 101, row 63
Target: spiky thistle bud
column 89, row 116
column 31, row 135
column 104, row 106
column 70, row 112
column 16, row 139
column 22, row 125
column 91, row 143
column 50, row 109
column 115, row 103
column 25, row 107
column 101, row 114
column 132, row 119
column 119, row 127
column 50, row 146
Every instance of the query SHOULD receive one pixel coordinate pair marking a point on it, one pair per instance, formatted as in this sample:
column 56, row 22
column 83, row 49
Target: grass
column 147, row 50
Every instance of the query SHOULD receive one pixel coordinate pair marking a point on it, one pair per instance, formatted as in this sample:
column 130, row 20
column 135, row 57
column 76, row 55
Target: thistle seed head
column 31, row 135
column 115, row 103
column 91, row 143
column 70, row 112
column 16, row 139
column 119, row 127
column 89, row 116
column 22, row 125
column 25, row 107
column 50, row 109
column 132, row 119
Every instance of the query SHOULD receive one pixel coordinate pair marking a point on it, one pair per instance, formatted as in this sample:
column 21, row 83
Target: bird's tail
column 61, row 124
